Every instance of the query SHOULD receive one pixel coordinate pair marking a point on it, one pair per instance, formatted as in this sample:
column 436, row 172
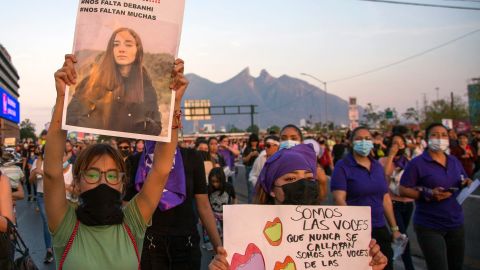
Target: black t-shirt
column 338, row 151
column 180, row 220
column 247, row 152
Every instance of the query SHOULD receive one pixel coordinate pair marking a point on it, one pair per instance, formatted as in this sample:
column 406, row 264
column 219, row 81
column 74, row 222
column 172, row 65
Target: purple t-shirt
column 423, row 171
column 363, row 187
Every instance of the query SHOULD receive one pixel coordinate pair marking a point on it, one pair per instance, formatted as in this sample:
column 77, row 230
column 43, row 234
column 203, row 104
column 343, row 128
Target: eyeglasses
column 268, row 145
column 93, row 176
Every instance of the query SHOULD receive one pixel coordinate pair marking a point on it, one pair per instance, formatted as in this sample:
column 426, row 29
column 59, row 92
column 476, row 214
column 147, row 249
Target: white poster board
column 126, row 51
column 287, row 237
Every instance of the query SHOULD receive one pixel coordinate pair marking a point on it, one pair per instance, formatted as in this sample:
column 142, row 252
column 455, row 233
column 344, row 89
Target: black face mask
column 401, row 152
column 301, row 192
column 125, row 153
column 100, row 206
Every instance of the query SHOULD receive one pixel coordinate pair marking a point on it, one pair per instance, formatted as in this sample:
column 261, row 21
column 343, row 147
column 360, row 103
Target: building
column 474, row 102
column 9, row 105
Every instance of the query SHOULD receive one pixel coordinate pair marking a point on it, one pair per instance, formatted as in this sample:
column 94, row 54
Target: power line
column 405, row 59
column 471, row 1
column 422, row 4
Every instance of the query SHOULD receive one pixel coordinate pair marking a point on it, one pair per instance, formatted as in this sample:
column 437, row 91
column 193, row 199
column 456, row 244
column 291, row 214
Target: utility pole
column 438, row 90
column 451, row 101
column 417, row 118
column 252, row 113
column 425, row 105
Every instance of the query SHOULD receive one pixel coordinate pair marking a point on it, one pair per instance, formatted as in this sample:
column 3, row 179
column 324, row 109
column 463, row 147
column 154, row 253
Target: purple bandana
column 299, row 157
column 175, row 189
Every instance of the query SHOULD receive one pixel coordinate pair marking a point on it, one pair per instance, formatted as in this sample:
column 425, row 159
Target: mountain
column 279, row 101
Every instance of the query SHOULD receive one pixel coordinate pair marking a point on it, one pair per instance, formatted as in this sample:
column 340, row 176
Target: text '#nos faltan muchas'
column 327, row 235
column 142, row 11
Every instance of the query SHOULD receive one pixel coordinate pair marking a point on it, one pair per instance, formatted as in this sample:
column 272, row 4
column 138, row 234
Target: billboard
column 10, row 107
column 474, row 103
column 197, row 109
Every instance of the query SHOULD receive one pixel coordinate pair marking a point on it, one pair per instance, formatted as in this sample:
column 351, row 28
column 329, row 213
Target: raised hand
column 66, row 75
column 179, row 82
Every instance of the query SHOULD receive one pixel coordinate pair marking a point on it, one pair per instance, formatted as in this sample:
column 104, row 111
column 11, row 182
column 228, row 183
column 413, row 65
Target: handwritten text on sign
column 288, row 237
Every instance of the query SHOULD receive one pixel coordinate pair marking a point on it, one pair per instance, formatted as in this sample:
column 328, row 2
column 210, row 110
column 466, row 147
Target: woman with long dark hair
column 249, row 156
column 118, row 94
column 101, row 233
column 394, row 165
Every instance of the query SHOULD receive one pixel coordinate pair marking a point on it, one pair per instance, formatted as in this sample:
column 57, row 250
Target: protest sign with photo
column 288, row 237
column 126, row 52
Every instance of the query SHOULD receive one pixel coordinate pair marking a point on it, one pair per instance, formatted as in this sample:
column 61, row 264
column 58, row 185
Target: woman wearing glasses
column 272, row 143
column 100, row 233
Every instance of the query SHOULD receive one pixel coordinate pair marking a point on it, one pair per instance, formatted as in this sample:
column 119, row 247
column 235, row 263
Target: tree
column 234, row 129
column 27, row 130
column 253, row 129
column 411, row 114
column 317, row 127
column 372, row 116
column 273, row 129
column 440, row 109
column 104, row 138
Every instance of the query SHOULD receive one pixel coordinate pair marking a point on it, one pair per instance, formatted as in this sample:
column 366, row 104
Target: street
column 30, row 226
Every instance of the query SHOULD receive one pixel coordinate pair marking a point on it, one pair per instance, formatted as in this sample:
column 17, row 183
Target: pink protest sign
column 287, row 237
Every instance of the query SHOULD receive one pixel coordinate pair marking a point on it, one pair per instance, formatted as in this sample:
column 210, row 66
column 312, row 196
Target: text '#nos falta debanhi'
column 118, row 8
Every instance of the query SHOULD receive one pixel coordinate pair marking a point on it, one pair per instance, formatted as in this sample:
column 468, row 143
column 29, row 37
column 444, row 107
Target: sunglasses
column 268, row 145
column 94, row 175
column 124, row 147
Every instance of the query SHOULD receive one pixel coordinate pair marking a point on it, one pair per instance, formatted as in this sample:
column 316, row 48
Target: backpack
column 11, row 241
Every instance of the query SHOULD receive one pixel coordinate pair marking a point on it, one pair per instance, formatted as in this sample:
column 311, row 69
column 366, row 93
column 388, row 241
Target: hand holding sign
column 66, row 75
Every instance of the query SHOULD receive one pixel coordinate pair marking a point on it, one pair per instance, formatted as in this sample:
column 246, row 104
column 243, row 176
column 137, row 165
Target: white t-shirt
column 257, row 167
column 67, row 176
column 39, row 177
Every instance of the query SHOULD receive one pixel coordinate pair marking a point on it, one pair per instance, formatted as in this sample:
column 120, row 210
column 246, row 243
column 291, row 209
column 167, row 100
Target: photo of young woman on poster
column 118, row 93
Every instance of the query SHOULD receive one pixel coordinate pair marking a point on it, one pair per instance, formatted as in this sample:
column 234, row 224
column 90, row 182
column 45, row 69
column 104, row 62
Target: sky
column 329, row 39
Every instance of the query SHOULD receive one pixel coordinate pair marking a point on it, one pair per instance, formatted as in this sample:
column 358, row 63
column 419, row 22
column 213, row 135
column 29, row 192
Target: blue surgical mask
column 363, row 147
column 288, row 144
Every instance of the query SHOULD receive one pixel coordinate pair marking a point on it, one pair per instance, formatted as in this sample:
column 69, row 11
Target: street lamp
column 326, row 93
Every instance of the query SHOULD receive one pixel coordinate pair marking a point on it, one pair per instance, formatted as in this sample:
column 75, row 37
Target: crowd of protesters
column 392, row 172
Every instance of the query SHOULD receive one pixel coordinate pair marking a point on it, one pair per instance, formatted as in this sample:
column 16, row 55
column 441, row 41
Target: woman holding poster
column 288, row 177
column 100, row 233
column 118, row 94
